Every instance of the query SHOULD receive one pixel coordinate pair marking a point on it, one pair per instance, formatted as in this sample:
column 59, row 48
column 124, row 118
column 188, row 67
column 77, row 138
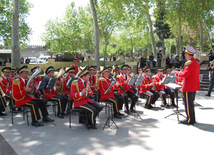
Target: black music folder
column 133, row 80
column 47, row 83
column 139, row 80
column 109, row 88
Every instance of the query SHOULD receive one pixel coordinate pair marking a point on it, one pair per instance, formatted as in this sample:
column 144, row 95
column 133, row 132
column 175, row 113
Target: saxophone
column 97, row 85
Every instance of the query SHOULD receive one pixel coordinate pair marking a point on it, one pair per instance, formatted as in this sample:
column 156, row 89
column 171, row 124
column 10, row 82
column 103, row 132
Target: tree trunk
column 179, row 35
column 163, row 47
column 210, row 40
column 201, row 37
column 105, row 52
column 15, row 57
column 96, row 33
column 152, row 35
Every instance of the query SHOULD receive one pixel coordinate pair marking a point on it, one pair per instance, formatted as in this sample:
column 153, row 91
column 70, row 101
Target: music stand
column 47, row 83
column 175, row 87
column 132, row 80
column 110, row 118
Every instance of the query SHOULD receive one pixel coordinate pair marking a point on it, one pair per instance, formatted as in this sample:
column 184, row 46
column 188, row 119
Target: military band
column 88, row 82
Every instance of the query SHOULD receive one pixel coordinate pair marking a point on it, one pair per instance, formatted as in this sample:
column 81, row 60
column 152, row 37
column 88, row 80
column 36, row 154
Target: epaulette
column 118, row 76
column 16, row 82
column 102, row 79
column 153, row 76
column 188, row 63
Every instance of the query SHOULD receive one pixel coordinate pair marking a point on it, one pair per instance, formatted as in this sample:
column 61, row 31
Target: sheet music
column 173, row 86
column 139, row 80
column 133, row 80
column 166, row 79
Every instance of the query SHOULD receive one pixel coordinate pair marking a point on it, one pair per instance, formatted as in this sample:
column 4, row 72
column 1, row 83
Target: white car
column 40, row 61
column 32, row 59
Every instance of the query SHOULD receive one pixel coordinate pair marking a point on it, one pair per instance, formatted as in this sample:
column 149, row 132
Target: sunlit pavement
column 152, row 135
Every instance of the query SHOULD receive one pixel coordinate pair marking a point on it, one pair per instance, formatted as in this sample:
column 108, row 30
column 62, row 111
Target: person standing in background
column 211, row 78
column 159, row 57
column 197, row 56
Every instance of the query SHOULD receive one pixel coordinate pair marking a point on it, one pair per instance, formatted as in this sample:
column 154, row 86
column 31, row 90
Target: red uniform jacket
column 76, row 68
column 5, row 85
column 145, row 85
column 76, row 89
column 66, row 88
column 122, row 83
column 179, row 80
column 92, row 82
column 11, row 77
column 49, row 93
column 104, row 84
column 191, row 76
column 158, row 79
column 18, row 92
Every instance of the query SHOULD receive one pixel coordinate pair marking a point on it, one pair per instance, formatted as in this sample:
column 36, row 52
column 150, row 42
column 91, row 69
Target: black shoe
column 93, row 126
column 174, row 105
column 120, row 114
column 132, row 110
column 117, row 116
column 60, row 116
column 47, row 119
column 186, row 122
column 127, row 111
column 207, row 95
column 148, row 106
column 2, row 114
column 36, row 124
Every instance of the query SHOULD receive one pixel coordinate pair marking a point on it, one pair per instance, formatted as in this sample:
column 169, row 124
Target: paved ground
column 152, row 135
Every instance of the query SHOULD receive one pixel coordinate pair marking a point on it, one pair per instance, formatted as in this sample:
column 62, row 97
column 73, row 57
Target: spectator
column 168, row 61
column 211, row 78
column 147, row 60
column 139, row 64
column 82, row 58
column 2, row 62
column 171, row 61
column 183, row 59
column 114, row 58
column 151, row 58
column 211, row 54
column 78, row 60
column 177, row 62
column 159, row 57
column 27, row 61
column 22, row 60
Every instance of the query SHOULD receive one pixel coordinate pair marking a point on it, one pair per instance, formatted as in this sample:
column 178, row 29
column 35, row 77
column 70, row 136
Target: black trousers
column 152, row 97
column 62, row 102
column 2, row 103
column 163, row 96
column 35, row 105
column 120, row 100
column 172, row 95
column 11, row 101
column 189, row 106
column 97, row 96
column 125, row 100
column 211, row 83
column 134, row 98
column 114, row 101
column 92, row 109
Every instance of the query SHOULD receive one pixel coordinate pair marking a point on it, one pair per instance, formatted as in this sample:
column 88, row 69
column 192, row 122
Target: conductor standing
column 191, row 84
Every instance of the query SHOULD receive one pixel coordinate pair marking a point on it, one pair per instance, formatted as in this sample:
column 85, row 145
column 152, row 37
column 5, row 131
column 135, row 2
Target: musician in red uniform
column 104, row 84
column 50, row 94
column 124, row 80
column 159, row 86
column 80, row 90
column 74, row 65
column 12, row 73
column 179, row 79
column 170, row 91
column 191, row 84
column 146, row 89
column 21, row 96
column 140, row 71
column 116, row 70
column 118, row 93
column 94, row 82
column 6, row 85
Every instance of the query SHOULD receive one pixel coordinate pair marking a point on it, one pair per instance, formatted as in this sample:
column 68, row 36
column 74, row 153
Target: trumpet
column 2, row 92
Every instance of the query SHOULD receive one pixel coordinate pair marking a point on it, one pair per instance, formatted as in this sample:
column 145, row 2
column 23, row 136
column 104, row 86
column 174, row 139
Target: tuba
column 59, row 82
column 37, row 72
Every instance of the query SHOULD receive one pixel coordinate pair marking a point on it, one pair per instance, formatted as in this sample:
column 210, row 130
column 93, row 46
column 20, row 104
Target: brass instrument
column 87, row 88
column 37, row 72
column 97, row 84
column 59, row 82
column 2, row 92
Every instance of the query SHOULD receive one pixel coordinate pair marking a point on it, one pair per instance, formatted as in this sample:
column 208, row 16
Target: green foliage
column 6, row 10
column 173, row 49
